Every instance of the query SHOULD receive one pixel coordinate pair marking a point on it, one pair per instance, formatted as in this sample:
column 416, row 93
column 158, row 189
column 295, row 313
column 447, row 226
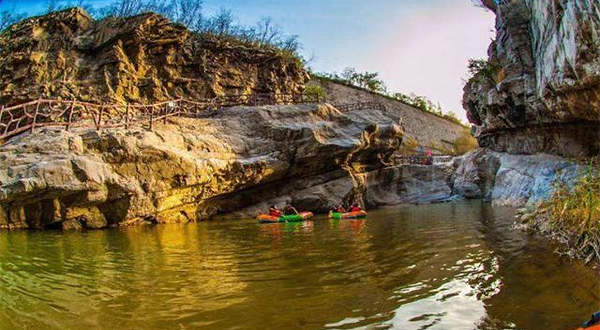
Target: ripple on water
column 449, row 266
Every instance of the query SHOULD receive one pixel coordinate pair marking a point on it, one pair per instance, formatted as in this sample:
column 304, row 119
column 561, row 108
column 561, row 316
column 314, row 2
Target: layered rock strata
column 192, row 169
column 140, row 59
column 540, row 88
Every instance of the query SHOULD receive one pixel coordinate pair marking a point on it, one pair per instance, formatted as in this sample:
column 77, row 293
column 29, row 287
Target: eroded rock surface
column 140, row 59
column 540, row 91
column 514, row 180
column 192, row 169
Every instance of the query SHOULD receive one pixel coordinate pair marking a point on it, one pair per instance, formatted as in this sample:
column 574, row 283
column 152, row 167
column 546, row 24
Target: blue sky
column 417, row 46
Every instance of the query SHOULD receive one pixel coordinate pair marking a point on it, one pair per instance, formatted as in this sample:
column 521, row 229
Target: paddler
column 340, row 209
column 274, row 211
column 355, row 208
column 289, row 210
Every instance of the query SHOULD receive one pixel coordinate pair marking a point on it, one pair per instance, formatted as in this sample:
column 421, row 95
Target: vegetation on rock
column 139, row 59
column 573, row 213
column 464, row 144
column 541, row 82
column 371, row 82
column 315, row 92
column 189, row 13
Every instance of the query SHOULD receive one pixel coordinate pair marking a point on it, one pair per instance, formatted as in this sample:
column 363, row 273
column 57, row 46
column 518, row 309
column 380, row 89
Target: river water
column 445, row 266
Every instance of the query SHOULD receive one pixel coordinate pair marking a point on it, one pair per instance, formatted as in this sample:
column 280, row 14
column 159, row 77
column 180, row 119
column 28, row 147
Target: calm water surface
column 448, row 266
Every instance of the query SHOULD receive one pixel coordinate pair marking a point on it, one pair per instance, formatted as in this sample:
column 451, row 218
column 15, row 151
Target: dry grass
column 574, row 214
column 465, row 143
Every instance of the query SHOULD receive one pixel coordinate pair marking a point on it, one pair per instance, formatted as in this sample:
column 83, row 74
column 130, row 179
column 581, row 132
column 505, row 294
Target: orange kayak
column 594, row 327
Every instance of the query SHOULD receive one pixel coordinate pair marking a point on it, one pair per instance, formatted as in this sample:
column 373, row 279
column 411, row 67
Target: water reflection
column 450, row 266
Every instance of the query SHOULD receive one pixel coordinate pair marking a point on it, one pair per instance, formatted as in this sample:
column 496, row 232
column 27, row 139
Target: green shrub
column 489, row 69
column 366, row 80
column 315, row 92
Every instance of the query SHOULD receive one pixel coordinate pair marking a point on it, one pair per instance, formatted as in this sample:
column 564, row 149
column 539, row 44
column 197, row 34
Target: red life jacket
column 355, row 209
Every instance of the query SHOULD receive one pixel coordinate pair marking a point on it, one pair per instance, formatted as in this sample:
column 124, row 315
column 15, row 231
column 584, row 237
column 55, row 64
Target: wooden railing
column 70, row 114
column 360, row 106
column 414, row 160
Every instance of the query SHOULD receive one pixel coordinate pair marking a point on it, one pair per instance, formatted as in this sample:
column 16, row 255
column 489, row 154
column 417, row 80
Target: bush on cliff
column 315, row 92
column 370, row 81
column 464, row 143
column 189, row 13
column 488, row 69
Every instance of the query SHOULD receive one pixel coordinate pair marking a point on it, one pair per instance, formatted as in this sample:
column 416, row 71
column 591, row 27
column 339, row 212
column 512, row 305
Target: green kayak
column 348, row 215
column 265, row 218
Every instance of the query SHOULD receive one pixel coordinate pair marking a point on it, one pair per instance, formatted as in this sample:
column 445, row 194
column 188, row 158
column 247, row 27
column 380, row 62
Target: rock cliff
column 139, row 59
column 540, row 89
column 191, row 169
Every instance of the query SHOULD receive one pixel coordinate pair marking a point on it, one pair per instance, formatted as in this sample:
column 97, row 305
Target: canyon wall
column 140, row 59
column 243, row 158
column 540, row 88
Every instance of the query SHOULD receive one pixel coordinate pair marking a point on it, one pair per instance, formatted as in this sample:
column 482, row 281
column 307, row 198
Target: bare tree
column 220, row 24
column 290, row 44
column 188, row 13
column 51, row 5
column 10, row 17
column 267, row 31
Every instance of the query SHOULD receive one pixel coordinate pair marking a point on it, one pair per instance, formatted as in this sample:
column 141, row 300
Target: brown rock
column 141, row 59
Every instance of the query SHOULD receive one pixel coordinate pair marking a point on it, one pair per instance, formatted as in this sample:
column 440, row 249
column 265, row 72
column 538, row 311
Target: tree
column 185, row 12
column 51, row 5
column 267, row 32
column 10, row 17
column 221, row 24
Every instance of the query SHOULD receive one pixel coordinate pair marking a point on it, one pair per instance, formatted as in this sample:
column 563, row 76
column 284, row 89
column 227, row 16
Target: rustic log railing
column 360, row 106
column 414, row 160
column 71, row 113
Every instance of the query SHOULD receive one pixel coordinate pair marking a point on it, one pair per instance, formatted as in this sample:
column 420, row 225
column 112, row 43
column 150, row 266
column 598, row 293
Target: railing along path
column 78, row 114
column 414, row 160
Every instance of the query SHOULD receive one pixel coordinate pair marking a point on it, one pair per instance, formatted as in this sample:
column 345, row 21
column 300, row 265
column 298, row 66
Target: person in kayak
column 274, row 211
column 289, row 210
column 340, row 209
column 355, row 208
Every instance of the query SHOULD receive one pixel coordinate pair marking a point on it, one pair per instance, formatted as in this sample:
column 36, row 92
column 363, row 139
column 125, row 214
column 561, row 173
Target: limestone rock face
column 191, row 169
column 540, row 91
column 140, row 59
column 409, row 184
column 514, row 180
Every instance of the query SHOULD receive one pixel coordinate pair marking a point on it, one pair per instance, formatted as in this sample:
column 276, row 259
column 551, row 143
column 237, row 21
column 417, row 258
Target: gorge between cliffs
column 136, row 152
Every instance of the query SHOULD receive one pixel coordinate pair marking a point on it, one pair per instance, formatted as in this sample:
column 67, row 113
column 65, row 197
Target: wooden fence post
column 166, row 112
column 70, row 115
column 99, row 126
column 127, row 116
column 37, row 109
